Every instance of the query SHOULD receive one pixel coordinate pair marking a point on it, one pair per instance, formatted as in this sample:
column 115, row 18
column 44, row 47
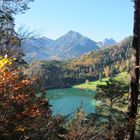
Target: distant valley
column 71, row 45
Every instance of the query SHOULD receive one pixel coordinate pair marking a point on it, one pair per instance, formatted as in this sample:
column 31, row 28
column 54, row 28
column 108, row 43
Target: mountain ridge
column 68, row 46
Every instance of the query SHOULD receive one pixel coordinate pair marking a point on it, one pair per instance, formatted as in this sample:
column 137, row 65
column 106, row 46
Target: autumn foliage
column 22, row 114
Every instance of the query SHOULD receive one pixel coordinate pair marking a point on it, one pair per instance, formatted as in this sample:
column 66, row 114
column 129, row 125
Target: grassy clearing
column 124, row 76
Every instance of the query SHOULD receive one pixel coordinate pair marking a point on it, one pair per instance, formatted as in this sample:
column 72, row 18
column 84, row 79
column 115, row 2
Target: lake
column 66, row 101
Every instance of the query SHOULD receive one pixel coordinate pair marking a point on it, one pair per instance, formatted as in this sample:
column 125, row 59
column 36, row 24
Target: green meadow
column 123, row 76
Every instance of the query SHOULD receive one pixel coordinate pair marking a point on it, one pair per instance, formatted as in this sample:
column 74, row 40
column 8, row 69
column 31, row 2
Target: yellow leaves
column 4, row 62
column 85, row 62
column 20, row 128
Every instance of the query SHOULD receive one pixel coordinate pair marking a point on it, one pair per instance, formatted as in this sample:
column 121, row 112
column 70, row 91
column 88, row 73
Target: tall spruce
column 111, row 96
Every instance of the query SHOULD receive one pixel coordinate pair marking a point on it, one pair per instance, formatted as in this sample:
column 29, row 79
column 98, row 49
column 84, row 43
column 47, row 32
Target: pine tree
column 111, row 97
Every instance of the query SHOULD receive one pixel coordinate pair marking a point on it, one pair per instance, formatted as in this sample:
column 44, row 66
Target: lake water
column 66, row 101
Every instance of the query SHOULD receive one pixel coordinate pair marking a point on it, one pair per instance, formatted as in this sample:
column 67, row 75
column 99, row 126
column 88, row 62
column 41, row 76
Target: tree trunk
column 134, row 84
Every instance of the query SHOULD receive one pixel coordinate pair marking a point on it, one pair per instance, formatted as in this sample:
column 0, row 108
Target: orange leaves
column 107, row 71
column 19, row 98
column 26, row 82
column 33, row 111
column 19, row 107
column 21, row 85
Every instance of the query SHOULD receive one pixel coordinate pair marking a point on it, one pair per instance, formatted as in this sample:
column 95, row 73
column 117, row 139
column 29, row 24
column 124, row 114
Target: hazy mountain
column 107, row 42
column 68, row 46
column 72, row 45
column 42, row 42
column 36, row 49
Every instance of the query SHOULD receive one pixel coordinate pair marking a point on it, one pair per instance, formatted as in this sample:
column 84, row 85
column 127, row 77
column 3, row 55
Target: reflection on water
column 65, row 101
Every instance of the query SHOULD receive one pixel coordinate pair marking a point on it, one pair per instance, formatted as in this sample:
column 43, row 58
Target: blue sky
column 96, row 19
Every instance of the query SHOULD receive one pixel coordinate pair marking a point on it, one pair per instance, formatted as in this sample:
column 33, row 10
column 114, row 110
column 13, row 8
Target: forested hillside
column 95, row 65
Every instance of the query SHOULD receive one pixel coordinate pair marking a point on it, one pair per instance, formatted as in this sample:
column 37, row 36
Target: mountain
column 42, row 42
column 107, row 42
column 36, row 49
column 70, row 45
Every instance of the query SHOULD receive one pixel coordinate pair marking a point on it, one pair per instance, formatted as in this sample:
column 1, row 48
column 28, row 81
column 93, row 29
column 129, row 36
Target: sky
column 96, row 19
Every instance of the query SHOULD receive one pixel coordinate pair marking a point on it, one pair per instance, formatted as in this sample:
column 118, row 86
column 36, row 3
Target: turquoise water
column 66, row 101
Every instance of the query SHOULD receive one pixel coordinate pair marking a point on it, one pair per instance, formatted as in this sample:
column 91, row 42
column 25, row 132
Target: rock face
column 71, row 45
column 107, row 42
